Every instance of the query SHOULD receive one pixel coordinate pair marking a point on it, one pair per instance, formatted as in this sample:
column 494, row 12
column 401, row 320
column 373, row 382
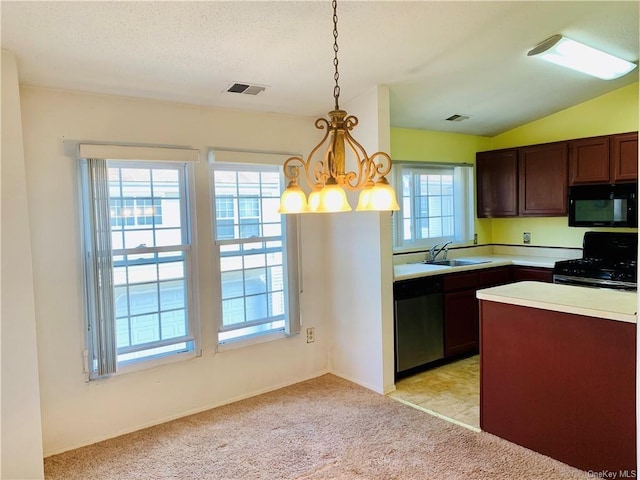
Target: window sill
column 156, row 362
column 254, row 340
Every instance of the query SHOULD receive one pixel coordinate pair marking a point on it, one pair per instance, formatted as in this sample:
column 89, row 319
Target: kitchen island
column 557, row 372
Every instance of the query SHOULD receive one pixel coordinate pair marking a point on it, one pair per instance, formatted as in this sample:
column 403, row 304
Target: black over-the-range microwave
column 603, row 205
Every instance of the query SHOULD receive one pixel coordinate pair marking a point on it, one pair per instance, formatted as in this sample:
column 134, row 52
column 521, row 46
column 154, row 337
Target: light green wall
column 614, row 112
column 428, row 146
column 551, row 231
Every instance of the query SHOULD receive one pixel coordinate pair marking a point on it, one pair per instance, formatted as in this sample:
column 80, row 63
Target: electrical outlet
column 475, row 238
column 526, row 237
column 311, row 335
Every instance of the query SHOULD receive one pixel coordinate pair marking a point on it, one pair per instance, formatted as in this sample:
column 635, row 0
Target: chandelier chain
column 327, row 175
column 336, row 75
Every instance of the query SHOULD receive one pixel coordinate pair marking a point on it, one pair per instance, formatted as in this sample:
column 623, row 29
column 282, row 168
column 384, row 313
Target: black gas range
column 609, row 260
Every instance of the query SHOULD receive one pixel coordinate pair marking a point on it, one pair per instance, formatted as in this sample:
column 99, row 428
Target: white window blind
column 135, row 152
column 137, row 232
column 98, row 271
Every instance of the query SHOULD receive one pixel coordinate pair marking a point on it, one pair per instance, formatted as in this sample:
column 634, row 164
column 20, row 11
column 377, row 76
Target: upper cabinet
column 589, row 161
column 542, row 172
column 533, row 180
column 609, row 159
column 624, row 157
column 497, row 183
column 527, row 181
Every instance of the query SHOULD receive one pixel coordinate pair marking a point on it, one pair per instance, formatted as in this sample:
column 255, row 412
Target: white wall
column 359, row 274
column 21, row 439
column 75, row 412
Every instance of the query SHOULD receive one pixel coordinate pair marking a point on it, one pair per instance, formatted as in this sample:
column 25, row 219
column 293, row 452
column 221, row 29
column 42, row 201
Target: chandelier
column 327, row 176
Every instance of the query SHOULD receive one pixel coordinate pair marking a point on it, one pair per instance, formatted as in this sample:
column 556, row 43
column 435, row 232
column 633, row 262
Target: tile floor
column 451, row 391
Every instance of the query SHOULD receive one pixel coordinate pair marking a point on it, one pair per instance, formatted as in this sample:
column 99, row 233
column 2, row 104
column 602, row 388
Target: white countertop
column 591, row 302
column 406, row 271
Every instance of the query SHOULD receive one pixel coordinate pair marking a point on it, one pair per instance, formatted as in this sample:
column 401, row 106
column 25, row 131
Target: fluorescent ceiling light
column 578, row 56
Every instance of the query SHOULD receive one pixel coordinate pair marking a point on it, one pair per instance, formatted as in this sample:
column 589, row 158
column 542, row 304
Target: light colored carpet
column 324, row 428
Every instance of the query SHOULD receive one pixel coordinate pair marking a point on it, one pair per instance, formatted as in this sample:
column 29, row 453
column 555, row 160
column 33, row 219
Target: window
column 225, row 216
column 137, row 241
column 255, row 252
column 135, row 211
column 436, row 204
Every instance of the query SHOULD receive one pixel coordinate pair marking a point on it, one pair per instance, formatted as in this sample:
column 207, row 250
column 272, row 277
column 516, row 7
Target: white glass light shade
column 582, row 58
column 314, row 199
column 380, row 198
column 293, row 200
column 364, row 200
column 383, row 196
column 333, row 199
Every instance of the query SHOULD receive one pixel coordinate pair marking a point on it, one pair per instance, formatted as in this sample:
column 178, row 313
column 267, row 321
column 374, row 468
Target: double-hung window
column 436, row 204
column 137, row 233
column 255, row 252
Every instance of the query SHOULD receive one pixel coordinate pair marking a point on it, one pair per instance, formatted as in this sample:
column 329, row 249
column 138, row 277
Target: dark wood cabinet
column 543, row 179
column 492, row 277
column 537, row 274
column 608, row 159
column 460, row 313
column 497, row 183
column 461, row 335
column 460, row 322
column 527, row 181
column 624, row 157
column 589, row 161
column 533, row 180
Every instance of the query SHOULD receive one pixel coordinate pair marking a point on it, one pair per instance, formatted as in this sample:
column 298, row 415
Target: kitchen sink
column 456, row 263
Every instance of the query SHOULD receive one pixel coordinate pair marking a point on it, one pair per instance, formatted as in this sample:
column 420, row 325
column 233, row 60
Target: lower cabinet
column 461, row 326
column 536, row 274
column 460, row 322
column 460, row 316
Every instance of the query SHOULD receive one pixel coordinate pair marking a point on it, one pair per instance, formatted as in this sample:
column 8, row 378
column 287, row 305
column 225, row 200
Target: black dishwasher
column 419, row 328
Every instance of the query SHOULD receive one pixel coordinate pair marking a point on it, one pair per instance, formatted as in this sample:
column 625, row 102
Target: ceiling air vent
column 245, row 88
column 458, row 118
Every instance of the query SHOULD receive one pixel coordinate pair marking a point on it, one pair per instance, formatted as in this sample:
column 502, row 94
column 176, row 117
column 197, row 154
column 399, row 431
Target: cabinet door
column 624, row 157
column 543, row 179
column 460, row 323
column 589, row 161
column 497, row 183
column 494, row 276
column 537, row 274
column 460, row 281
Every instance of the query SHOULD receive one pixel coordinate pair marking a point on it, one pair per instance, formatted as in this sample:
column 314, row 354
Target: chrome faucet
column 433, row 253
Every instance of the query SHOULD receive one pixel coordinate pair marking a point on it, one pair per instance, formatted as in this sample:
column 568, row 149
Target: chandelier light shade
column 293, row 199
column 377, row 197
column 324, row 170
column 582, row 58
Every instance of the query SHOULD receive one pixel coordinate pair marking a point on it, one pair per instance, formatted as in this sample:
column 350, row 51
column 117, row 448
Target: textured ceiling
column 439, row 58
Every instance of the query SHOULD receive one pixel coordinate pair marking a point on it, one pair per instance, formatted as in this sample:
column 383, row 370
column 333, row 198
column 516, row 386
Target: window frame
column 188, row 248
column 463, row 185
column 290, row 261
